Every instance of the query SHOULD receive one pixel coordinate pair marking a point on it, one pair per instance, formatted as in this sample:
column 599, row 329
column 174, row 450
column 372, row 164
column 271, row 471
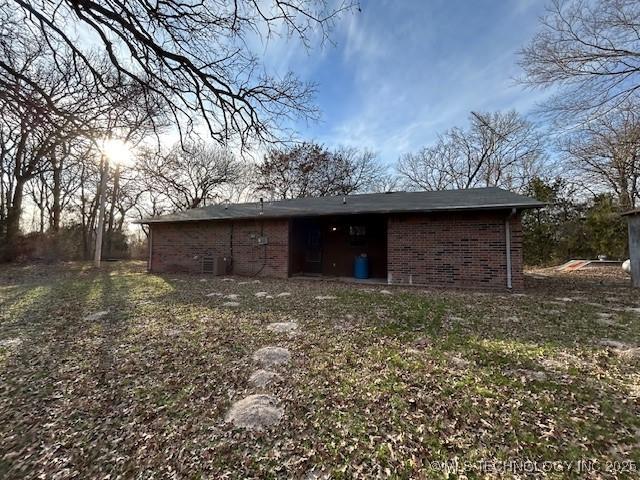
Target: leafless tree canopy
column 311, row 170
column 195, row 56
column 188, row 176
column 498, row 149
column 53, row 120
column 605, row 155
column 591, row 51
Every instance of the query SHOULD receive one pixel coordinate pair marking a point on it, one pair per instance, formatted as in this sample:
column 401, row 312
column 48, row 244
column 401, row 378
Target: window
column 357, row 234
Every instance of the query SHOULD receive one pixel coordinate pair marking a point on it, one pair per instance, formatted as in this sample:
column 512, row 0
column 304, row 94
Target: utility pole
column 103, row 186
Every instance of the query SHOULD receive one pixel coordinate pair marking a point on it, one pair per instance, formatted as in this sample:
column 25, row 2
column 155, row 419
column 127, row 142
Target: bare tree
column 432, row 167
column 311, row 170
column 591, row 51
column 498, row 149
column 189, row 176
column 360, row 171
column 605, row 155
column 195, row 56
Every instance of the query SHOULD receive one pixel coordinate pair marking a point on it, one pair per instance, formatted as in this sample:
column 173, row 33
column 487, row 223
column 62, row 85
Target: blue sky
column 402, row 71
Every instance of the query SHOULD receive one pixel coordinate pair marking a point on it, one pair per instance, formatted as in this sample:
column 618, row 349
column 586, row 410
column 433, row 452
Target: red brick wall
column 180, row 247
column 446, row 250
column 453, row 250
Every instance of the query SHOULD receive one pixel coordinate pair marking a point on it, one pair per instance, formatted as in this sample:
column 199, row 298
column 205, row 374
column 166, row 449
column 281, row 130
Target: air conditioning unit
column 215, row 265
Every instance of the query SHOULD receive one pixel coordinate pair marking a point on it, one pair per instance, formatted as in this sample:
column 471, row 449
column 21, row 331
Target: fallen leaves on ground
column 377, row 385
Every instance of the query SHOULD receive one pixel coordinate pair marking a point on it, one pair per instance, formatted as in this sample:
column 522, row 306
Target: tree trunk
column 55, row 214
column 13, row 219
column 97, row 254
column 112, row 209
column 41, row 205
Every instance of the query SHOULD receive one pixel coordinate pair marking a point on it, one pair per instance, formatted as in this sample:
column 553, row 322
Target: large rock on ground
column 272, row 356
column 255, row 412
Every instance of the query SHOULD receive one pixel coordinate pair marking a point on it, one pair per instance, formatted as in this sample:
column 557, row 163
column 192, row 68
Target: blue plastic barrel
column 361, row 267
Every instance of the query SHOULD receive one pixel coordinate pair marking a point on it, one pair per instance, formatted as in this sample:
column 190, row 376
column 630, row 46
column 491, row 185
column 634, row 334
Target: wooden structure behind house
column 633, row 222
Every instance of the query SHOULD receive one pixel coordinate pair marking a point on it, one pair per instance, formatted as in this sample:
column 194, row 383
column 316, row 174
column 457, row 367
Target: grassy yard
column 396, row 385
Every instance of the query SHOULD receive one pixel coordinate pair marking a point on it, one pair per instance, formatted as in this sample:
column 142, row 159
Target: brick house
column 455, row 238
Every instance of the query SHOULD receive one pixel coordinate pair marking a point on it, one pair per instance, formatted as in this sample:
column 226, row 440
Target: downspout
column 507, row 238
column 230, row 265
column 149, row 263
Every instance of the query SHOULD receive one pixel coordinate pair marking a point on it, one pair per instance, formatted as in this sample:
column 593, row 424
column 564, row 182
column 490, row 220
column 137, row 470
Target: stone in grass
column 512, row 319
column 282, row 327
column 422, row 343
column 325, row 297
column 261, row 294
column 96, row 315
column 231, row 304
column 232, row 296
column 262, row 378
column 458, row 362
column 631, row 353
column 594, row 304
column 623, row 349
column 525, row 374
column 606, row 320
column 284, row 294
column 255, row 412
column 615, row 344
column 215, row 294
column 173, row 332
column 243, row 283
column 317, row 475
column 272, row 356
column 552, row 302
column 228, row 280
column 11, row 342
column 386, row 292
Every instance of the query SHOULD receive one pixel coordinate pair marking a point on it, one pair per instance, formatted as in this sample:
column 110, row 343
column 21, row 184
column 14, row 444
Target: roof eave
column 526, row 206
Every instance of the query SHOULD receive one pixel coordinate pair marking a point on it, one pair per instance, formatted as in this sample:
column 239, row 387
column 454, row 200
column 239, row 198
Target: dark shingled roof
column 394, row 202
